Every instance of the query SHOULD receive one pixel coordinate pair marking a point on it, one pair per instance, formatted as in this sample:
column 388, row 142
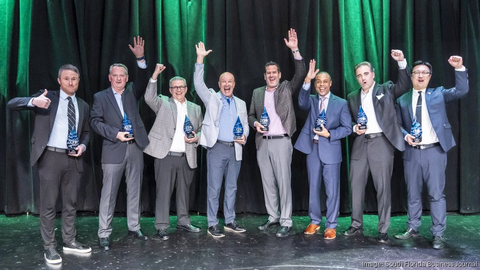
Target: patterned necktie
column 71, row 115
column 322, row 104
column 418, row 110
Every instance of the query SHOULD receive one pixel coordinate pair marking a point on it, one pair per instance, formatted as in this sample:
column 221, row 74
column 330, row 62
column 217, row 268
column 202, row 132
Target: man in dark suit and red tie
column 323, row 147
column 425, row 159
column 57, row 113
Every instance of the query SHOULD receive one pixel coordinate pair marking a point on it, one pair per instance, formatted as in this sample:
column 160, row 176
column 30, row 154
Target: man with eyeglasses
column 374, row 147
column 175, row 153
column 425, row 160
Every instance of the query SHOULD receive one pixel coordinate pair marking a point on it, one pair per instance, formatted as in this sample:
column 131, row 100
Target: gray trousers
column 171, row 172
column 376, row 156
column 426, row 166
column 132, row 165
column 274, row 159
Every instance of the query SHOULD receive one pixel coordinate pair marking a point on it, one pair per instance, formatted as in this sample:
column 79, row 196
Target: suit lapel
column 173, row 105
column 261, row 101
column 408, row 100
column 54, row 105
column 112, row 99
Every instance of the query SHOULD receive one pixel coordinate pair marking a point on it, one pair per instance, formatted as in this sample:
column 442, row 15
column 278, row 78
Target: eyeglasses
column 178, row 87
column 423, row 72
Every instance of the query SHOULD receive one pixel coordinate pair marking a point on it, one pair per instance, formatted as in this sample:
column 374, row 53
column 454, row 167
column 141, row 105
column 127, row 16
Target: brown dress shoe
column 330, row 234
column 312, row 228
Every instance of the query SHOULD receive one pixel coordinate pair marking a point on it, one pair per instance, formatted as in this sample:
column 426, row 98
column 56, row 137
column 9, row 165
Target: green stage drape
column 39, row 36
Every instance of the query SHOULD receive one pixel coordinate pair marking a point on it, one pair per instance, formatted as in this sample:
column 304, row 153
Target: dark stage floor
column 21, row 246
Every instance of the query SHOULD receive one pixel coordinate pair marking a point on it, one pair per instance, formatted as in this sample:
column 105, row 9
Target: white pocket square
column 380, row 96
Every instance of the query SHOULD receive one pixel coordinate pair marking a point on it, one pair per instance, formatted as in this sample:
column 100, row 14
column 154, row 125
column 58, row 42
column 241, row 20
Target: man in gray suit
column 175, row 154
column 426, row 161
column 224, row 153
column 323, row 148
column 274, row 147
column 374, row 146
column 112, row 109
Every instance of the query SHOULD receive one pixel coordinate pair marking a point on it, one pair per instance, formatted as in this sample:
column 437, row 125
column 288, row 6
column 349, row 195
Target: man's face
column 365, row 77
column 323, row 84
column 421, row 77
column 226, row 82
column 178, row 89
column 69, row 81
column 272, row 76
column 118, row 78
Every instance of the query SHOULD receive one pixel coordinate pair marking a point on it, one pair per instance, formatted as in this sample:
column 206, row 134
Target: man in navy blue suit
column 426, row 161
column 323, row 148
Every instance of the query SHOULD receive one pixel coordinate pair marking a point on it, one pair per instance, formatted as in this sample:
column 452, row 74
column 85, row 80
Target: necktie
column 322, row 104
column 418, row 110
column 71, row 115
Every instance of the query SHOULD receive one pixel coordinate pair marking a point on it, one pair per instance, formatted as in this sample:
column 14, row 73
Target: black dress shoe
column 76, row 247
column 215, row 231
column 410, row 233
column 382, row 238
column 267, row 225
column 284, row 231
column 438, row 242
column 161, row 235
column 138, row 234
column 189, row 228
column 104, row 243
column 233, row 227
column 353, row 231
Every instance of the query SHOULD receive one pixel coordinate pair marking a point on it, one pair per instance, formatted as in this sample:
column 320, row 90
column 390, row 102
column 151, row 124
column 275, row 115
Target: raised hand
column 42, row 101
column 201, row 52
column 159, row 68
column 311, row 72
column 138, row 46
column 397, row 55
column 292, row 41
column 455, row 61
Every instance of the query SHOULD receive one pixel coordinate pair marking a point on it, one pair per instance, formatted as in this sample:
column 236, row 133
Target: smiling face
column 365, row 77
column 421, row 77
column 118, row 78
column 226, row 82
column 69, row 81
column 178, row 89
column 272, row 76
column 323, row 82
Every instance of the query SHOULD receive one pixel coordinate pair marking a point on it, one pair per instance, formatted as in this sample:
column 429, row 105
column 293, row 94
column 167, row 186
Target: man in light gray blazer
column 274, row 147
column 224, row 153
column 175, row 154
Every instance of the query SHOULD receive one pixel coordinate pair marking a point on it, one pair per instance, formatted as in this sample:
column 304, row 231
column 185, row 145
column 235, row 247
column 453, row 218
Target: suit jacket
column 435, row 99
column 283, row 102
column 338, row 124
column 106, row 120
column 163, row 130
column 213, row 105
column 44, row 120
column 384, row 96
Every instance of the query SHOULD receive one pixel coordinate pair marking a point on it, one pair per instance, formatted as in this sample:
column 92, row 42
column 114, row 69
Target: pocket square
column 380, row 96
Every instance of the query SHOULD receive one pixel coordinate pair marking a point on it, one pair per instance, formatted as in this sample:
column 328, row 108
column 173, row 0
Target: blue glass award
column 72, row 142
column 188, row 128
column 416, row 131
column 264, row 120
column 127, row 126
column 362, row 119
column 238, row 130
column 321, row 120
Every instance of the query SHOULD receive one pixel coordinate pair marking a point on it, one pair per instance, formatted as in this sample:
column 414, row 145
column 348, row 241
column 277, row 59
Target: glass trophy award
column 362, row 119
column 238, row 130
column 321, row 120
column 72, row 142
column 264, row 120
column 127, row 126
column 188, row 128
column 416, row 131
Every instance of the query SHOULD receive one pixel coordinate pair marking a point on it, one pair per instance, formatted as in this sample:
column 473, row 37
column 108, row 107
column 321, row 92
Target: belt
column 58, row 150
column 373, row 135
column 176, row 154
column 130, row 142
column 229, row 144
column 315, row 141
column 425, row 146
column 275, row 137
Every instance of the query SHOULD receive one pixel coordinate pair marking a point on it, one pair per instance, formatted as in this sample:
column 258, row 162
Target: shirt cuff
column 142, row 64
column 463, row 68
column 306, row 86
column 152, row 80
column 402, row 64
column 30, row 103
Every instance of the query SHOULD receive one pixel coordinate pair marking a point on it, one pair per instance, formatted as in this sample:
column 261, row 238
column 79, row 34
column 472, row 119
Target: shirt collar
column 63, row 96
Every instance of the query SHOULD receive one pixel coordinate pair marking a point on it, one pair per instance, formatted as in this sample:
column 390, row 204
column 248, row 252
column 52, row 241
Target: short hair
column 323, row 72
column 118, row 65
column 68, row 67
column 177, row 78
column 364, row 63
column 425, row 63
column 271, row 63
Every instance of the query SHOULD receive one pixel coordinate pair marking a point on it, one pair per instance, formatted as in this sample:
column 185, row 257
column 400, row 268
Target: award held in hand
column 264, row 120
column 416, row 131
column 72, row 142
column 362, row 119
column 238, row 130
column 127, row 126
column 321, row 120
column 188, row 128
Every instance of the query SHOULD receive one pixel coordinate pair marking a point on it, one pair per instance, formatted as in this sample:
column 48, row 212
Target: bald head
column 226, row 82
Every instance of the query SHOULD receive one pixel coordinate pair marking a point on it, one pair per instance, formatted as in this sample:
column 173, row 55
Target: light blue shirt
column 228, row 117
column 59, row 134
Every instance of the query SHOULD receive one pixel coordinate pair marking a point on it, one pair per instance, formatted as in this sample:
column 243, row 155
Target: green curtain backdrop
column 39, row 36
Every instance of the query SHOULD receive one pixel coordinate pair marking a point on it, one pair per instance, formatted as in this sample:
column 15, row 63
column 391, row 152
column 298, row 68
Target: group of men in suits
column 391, row 110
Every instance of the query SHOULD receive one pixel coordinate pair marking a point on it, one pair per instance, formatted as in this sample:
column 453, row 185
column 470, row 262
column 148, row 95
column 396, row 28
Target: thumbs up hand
column 42, row 101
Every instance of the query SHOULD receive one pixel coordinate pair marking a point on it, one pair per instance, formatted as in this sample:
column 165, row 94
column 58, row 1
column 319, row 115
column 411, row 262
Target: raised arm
column 404, row 82
column 151, row 97
column 198, row 82
column 304, row 94
column 461, row 80
column 300, row 69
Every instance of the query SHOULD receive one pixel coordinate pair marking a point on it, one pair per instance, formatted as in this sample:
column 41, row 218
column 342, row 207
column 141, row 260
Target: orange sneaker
column 330, row 233
column 312, row 228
